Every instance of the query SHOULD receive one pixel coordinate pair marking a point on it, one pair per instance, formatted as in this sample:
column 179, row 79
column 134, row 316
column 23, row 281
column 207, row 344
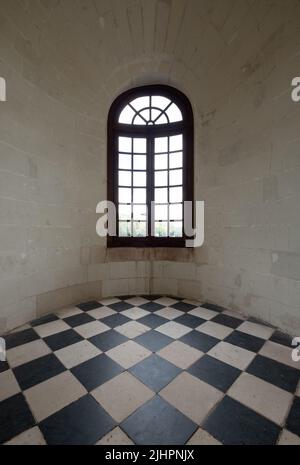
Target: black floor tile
column 151, row 297
column 126, row 297
column 183, row 306
column 15, row 417
column 3, row 366
column 108, row 340
column 214, row 372
column 153, row 340
column 233, row 423
column 293, row 420
column 64, row 339
column 276, row 373
column 20, row 338
column 158, row 423
column 199, row 341
column 155, row 372
column 151, row 306
column 82, row 423
column 245, row 341
column 43, row 320
column 37, row 371
column 227, row 320
column 120, row 306
column 115, row 320
column 153, row 321
column 175, row 297
column 78, row 320
column 215, row 308
column 190, row 320
column 96, row 371
column 281, row 338
column 86, row 306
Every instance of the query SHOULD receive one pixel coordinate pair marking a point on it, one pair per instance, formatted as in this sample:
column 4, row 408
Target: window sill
column 142, row 242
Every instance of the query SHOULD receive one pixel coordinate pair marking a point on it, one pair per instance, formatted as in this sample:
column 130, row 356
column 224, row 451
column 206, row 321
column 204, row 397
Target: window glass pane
column 124, row 212
column 175, row 160
column 175, row 143
column 161, row 162
column 127, row 115
column 139, row 229
column 140, row 212
column 160, row 102
column 139, row 162
column 140, row 102
column 175, row 178
column 175, row 194
column 124, row 161
column 161, row 144
column 145, row 114
column 124, row 229
column 139, row 195
column 139, row 145
column 161, row 178
column 161, row 212
column 125, row 195
column 162, row 119
column 139, row 121
column 161, row 229
column 155, row 114
column 176, row 212
column 125, row 144
column 125, row 178
column 175, row 229
column 139, row 178
column 174, row 113
column 161, row 195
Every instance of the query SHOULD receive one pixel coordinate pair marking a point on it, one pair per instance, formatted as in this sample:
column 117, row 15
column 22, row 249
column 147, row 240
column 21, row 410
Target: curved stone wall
column 64, row 63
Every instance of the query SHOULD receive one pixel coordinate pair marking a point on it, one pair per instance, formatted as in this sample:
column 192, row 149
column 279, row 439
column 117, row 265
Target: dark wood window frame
column 115, row 130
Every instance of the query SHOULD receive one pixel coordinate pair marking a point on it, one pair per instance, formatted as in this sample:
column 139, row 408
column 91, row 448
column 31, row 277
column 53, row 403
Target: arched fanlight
column 150, row 110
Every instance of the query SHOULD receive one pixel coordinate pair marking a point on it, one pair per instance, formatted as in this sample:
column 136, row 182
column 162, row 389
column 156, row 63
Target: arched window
column 150, row 166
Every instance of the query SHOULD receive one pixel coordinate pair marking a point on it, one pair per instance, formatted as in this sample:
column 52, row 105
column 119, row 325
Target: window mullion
column 168, row 218
column 150, row 180
column 116, row 177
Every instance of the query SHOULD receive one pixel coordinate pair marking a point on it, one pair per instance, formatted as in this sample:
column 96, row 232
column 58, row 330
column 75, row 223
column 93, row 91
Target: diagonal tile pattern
column 148, row 370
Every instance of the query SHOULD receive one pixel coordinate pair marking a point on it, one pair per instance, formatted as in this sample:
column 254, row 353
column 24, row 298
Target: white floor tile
column 122, row 395
column 265, row 398
column 27, row 352
column 77, row 353
column 233, row 355
column 128, row 354
column 180, row 354
column 54, row 394
column 8, row 385
column 192, row 397
column 174, row 330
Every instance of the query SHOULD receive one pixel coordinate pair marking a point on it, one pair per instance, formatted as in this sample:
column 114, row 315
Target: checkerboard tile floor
column 148, row 370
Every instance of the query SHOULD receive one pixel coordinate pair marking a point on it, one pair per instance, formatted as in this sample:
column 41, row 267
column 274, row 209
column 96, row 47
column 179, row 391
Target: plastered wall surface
column 64, row 62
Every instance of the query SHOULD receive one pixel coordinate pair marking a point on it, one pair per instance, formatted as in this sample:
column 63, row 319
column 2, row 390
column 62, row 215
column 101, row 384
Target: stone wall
column 64, row 62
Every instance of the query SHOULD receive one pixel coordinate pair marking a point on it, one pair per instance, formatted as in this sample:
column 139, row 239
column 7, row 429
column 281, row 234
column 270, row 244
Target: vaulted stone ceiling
column 85, row 50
